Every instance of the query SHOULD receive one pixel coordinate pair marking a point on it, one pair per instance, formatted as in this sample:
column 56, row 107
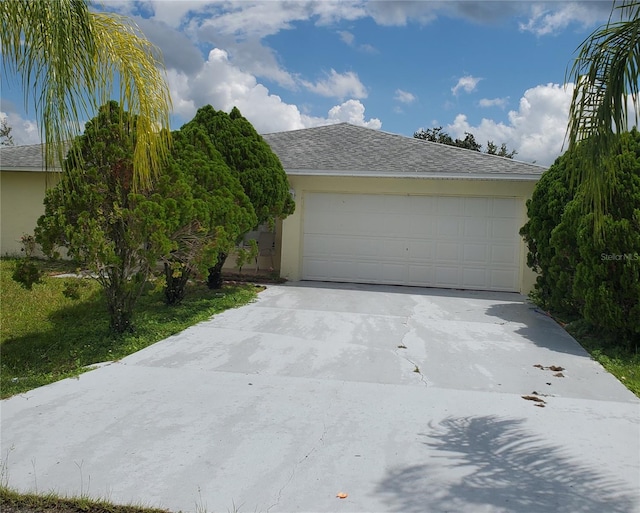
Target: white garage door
column 437, row 241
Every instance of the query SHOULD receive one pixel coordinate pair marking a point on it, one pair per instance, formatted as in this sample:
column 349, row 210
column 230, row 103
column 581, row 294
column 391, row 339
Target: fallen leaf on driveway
column 342, row 495
column 533, row 398
column 538, row 366
column 559, row 375
column 556, row 368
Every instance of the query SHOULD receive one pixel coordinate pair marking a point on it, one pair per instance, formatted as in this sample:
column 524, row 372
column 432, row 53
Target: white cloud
column 338, row 85
column 536, row 130
column 401, row 13
column 346, row 37
column 404, row 96
column 352, row 111
column 23, row 131
column 220, row 84
column 349, row 39
column 494, row 102
column 467, row 83
column 550, row 18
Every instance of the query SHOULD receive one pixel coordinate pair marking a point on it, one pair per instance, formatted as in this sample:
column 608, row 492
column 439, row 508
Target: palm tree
column 605, row 74
column 71, row 60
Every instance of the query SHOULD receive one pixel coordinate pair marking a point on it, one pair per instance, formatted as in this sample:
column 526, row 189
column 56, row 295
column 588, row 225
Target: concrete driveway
column 406, row 399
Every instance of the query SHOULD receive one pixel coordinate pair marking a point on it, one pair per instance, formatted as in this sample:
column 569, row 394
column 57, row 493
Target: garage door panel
column 420, row 249
column 453, row 242
column 474, row 277
column 504, row 279
column 420, row 274
column 476, row 207
column 447, row 277
column 392, row 273
column 449, row 227
column 504, row 207
column 476, row 228
column 448, row 206
column 504, row 228
column 447, row 252
column 476, row 253
column 504, row 255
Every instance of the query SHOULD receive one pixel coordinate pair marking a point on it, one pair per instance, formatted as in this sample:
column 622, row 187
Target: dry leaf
column 556, row 368
column 342, row 495
column 559, row 375
column 533, row 398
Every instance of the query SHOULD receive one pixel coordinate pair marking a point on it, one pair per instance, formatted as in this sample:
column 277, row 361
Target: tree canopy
column 94, row 213
column 469, row 142
column 71, row 59
column 584, row 272
column 251, row 159
column 224, row 212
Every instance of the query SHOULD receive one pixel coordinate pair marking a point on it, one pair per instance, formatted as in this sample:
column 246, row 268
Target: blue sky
column 493, row 68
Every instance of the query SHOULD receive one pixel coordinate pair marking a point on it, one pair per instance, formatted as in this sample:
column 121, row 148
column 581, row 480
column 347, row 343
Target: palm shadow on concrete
column 490, row 463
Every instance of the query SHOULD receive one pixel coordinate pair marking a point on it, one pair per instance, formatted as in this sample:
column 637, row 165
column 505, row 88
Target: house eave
column 520, row 177
column 30, row 170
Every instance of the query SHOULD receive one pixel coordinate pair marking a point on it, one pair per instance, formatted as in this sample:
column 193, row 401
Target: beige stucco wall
column 21, row 203
column 292, row 226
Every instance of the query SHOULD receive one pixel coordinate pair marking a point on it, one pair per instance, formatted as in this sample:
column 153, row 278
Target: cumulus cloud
column 23, row 131
column 404, row 96
column 467, row 83
column 346, row 37
column 536, row 130
column 177, row 49
column 224, row 86
column 338, row 85
column 352, row 111
column 549, row 18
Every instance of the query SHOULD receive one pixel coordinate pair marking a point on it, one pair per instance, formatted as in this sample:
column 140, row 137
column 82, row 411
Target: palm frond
column 70, row 60
column 605, row 75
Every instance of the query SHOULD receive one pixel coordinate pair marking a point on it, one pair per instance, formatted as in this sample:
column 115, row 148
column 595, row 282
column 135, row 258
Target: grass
column 46, row 336
column 13, row 502
column 623, row 363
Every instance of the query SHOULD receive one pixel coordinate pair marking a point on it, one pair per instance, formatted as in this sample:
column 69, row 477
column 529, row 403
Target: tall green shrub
column 222, row 210
column 607, row 280
column 594, row 274
column 252, row 161
column 94, row 213
column 554, row 264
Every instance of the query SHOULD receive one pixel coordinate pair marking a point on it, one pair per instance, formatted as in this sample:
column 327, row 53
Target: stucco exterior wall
column 292, row 226
column 21, row 204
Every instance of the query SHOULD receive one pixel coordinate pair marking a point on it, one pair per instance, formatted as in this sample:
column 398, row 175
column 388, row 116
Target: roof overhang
column 520, row 177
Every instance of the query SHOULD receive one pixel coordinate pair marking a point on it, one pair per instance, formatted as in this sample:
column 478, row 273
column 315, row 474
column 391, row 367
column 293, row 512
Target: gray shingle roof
column 22, row 158
column 345, row 149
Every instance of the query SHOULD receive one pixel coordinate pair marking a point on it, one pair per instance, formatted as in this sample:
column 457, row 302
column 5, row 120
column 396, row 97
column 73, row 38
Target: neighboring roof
column 22, row 158
column 349, row 150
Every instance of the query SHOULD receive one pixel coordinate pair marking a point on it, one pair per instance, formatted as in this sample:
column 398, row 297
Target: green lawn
column 46, row 336
column 623, row 363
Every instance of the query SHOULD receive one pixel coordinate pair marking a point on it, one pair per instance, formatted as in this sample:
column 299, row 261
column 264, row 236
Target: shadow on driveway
column 499, row 465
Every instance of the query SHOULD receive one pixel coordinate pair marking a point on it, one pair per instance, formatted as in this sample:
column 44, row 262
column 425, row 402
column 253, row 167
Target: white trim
column 529, row 177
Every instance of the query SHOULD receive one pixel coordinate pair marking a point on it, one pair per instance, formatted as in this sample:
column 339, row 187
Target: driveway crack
column 313, row 449
column 402, row 348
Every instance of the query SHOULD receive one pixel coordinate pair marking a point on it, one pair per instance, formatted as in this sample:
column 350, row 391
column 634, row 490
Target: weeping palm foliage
column 71, row 60
column 605, row 98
